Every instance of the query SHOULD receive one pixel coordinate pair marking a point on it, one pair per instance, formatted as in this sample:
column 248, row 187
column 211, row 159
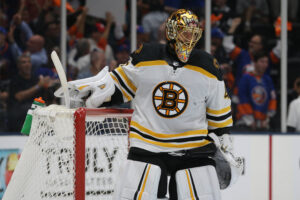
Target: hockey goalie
column 181, row 121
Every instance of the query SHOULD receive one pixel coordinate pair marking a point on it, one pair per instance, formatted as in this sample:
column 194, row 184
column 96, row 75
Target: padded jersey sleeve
column 218, row 103
column 124, row 77
column 218, row 108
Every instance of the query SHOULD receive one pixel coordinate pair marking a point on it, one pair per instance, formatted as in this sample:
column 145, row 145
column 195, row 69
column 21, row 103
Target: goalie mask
column 183, row 30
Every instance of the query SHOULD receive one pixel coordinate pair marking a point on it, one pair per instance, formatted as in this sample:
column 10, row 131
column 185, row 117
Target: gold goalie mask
column 183, row 30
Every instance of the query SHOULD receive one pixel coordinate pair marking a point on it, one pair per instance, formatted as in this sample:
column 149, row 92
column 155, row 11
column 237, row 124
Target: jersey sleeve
column 218, row 108
column 124, row 79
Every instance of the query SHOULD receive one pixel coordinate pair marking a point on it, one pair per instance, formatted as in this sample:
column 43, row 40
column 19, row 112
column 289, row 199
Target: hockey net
column 71, row 154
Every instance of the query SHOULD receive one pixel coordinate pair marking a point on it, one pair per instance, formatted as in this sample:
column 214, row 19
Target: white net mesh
column 46, row 168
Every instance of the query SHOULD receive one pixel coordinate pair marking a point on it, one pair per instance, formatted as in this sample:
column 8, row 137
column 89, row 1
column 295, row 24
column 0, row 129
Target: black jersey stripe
column 122, row 83
column 218, row 118
column 140, row 184
column 193, row 184
column 186, row 139
column 220, row 131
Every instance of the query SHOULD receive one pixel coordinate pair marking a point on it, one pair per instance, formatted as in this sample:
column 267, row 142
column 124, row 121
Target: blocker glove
column 224, row 142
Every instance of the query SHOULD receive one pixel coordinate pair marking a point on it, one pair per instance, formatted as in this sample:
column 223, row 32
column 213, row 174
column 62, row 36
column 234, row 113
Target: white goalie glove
column 90, row 92
column 228, row 167
column 224, row 142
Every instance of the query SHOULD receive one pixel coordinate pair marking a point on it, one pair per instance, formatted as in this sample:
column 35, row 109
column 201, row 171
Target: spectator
column 6, row 58
column 122, row 54
column 257, row 96
column 240, row 56
column 99, row 37
column 293, row 7
column 46, row 16
column 217, row 41
column 77, row 30
column 253, row 11
column 23, row 89
column 221, row 15
column 79, row 57
column 152, row 20
column 244, row 58
column 34, row 44
column 52, row 36
column 293, row 121
column 218, row 51
column 141, row 37
column 4, row 82
column 3, row 19
column 97, row 64
column 5, row 63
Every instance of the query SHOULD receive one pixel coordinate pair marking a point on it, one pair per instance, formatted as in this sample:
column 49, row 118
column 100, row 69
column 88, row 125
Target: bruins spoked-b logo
column 169, row 99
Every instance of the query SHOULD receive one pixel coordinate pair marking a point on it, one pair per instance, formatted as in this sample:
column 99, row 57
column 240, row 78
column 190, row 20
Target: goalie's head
column 184, row 31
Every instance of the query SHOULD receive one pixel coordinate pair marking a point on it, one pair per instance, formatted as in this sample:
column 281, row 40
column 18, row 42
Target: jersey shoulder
column 147, row 52
column 200, row 58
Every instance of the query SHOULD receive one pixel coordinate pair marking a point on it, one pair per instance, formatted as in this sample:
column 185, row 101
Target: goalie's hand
column 77, row 97
column 90, row 92
column 224, row 142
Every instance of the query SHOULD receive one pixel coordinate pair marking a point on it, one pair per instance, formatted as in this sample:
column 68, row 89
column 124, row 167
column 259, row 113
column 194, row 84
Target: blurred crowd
column 244, row 39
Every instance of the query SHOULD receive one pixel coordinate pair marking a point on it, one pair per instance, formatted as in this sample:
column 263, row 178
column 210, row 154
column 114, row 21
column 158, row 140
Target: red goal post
column 71, row 154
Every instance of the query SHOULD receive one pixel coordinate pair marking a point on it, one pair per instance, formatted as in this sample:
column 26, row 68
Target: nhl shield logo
column 169, row 99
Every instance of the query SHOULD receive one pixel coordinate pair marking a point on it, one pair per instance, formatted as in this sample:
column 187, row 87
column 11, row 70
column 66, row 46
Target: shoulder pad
column 147, row 52
column 207, row 62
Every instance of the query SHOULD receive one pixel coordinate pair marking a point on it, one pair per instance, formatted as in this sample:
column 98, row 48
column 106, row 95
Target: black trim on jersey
column 219, row 118
column 291, row 129
column 123, row 84
column 193, row 184
column 198, row 58
column 204, row 60
column 220, row 131
column 140, row 184
column 148, row 52
column 167, row 140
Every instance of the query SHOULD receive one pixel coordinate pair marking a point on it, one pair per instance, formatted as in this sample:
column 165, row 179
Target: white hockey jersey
column 174, row 108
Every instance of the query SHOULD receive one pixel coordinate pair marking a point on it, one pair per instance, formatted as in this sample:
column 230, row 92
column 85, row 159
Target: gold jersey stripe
column 220, row 125
column 128, row 97
column 218, row 112
column 190, row 185
column 170, row 145
column 124, row 76
column 144, row 182
column 164, row 135
column 151, row 63
column 201, row 70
